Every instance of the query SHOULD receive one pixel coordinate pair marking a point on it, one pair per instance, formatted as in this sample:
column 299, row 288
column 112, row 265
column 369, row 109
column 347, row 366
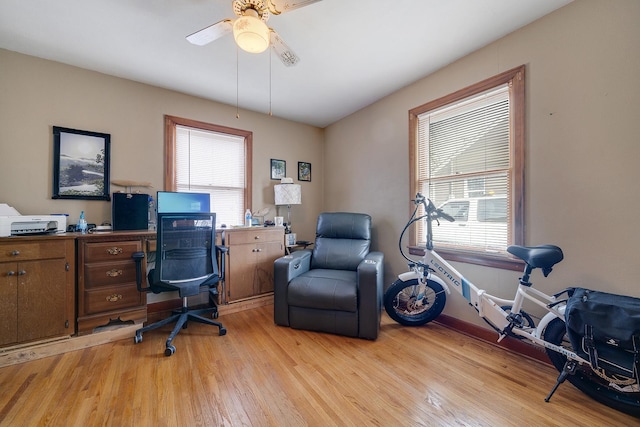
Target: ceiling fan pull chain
column 237, row 84
column 270, row 80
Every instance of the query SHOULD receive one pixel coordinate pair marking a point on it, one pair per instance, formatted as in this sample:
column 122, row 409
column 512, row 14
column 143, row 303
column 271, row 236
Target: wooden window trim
column 515, row 78
column 170, row 123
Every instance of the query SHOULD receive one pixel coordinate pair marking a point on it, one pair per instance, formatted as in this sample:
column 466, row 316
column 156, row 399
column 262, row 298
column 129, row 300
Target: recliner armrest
column 372, row 260
column 285, row 269
column 370, row 288
column 293, row 265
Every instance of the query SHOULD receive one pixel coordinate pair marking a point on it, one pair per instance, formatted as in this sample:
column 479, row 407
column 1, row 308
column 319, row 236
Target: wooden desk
column 106, row 272
column 249, row 262
column 40, row 295
column 37, row 288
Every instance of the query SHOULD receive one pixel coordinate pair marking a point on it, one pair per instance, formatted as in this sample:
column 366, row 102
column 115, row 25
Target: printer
column 14, row 224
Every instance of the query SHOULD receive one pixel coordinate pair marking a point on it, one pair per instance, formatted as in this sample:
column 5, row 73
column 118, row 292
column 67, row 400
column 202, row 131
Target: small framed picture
column 291, row 239
column 80, row 164
column 304, row 171
column 278, row 169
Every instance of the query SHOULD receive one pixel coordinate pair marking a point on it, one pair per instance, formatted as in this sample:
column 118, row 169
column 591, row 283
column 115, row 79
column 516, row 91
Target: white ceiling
column 353, row 52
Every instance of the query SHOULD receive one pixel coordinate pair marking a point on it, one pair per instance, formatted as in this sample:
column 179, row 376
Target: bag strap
column 590, row 345
column 636, row 359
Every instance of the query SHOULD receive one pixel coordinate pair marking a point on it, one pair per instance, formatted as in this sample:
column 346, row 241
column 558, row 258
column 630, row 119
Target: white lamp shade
column 288, row 194
column 251, row 34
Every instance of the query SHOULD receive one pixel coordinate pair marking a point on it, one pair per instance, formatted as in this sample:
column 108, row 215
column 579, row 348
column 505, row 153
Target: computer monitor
column 180, row 202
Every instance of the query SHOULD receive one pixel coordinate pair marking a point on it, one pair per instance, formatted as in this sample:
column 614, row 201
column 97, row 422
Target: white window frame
column 514, row 80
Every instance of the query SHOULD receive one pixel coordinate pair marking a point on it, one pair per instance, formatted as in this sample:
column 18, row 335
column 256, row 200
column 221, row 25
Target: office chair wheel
column 223, row 331
column 215, row 315
column 137, row 339
column 169, row 350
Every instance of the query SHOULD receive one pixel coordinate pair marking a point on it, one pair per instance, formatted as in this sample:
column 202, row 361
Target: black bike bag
column 605, row 329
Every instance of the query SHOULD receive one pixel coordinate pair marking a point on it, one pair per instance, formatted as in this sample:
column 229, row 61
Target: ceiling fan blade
column 211, row 33
column 281, row 6
column 286, row 55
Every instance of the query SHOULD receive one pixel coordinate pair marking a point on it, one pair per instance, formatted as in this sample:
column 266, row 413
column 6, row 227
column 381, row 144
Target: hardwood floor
column 260, row 374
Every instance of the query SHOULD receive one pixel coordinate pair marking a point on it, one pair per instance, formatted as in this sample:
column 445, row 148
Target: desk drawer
column 259, row 235
column 111, row 251
column 109, row 274
column 23, row 251
column 111, row 298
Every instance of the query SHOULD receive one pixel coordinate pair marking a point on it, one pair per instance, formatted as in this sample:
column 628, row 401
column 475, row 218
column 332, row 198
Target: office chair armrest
column 222, row 251
column 137, row 258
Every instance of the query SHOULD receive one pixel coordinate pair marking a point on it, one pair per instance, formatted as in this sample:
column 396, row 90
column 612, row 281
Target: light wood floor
column 260, row 374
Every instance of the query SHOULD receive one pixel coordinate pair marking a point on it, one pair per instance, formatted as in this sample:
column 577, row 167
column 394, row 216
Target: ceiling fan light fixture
column 251, row 34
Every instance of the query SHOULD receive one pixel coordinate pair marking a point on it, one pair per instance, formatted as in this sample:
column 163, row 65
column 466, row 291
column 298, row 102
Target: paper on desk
column 6, row 210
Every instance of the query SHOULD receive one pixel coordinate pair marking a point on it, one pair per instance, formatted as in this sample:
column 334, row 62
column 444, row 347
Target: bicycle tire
column 402, row 305
column 585, row 379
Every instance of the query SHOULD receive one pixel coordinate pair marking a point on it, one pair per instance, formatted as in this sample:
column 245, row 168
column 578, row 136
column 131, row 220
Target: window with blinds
column 210, row 159
column 465, row 162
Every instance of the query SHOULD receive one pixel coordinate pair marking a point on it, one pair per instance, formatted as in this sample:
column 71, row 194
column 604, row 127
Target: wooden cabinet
column 107, row 291
column 37, row 288
column 249, row 268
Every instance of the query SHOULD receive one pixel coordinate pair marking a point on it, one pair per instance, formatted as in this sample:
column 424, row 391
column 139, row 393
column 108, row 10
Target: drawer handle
column 15, row 253
column 114, row 298
column 257, row 250
column 11, row 273
column 114, row 273
column 21, row 272
column 256, row 237
column 114, row 251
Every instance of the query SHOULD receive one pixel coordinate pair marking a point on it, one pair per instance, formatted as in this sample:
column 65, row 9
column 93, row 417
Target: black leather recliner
column 336, row 287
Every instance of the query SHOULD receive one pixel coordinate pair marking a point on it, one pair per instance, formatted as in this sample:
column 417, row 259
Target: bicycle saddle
column 543, row 256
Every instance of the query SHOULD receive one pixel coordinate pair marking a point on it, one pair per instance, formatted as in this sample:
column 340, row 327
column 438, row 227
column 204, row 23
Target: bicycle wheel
column 412, row 304
column 618, row 392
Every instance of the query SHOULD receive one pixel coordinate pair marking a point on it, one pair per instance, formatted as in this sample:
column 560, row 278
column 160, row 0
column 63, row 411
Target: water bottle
column 151, row 215
column 247, row 218
column 82, row 224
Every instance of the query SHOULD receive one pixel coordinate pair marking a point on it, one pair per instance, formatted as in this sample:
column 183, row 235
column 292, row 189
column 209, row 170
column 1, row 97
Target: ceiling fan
column 250, row 30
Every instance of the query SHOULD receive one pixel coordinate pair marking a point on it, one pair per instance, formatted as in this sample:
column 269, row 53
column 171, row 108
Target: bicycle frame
column 489, row 307
column 418, row 297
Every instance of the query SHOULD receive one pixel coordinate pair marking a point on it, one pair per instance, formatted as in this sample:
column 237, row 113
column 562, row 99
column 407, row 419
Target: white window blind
column 464, row 166
column 214, row 163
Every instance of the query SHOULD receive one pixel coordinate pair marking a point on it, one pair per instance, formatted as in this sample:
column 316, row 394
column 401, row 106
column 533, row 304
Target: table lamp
column 287, row 193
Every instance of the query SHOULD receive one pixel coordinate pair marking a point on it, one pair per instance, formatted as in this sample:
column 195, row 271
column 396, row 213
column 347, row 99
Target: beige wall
column 36, row 94
column 582, row 148
column 582, row 129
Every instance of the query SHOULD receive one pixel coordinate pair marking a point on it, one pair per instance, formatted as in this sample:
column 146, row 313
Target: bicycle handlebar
column 431, row 213
column 431, row 210
column 446, row 216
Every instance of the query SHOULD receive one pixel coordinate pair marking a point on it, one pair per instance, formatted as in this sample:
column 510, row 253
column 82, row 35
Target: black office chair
column 187, row 261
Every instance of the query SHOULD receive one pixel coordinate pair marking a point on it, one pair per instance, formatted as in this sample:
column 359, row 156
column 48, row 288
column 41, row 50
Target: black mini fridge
column 130, row 211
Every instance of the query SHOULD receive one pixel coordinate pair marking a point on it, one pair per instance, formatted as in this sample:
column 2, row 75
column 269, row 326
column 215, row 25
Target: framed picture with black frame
column 304, row 171
column 278, row 169
column 80, row 164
